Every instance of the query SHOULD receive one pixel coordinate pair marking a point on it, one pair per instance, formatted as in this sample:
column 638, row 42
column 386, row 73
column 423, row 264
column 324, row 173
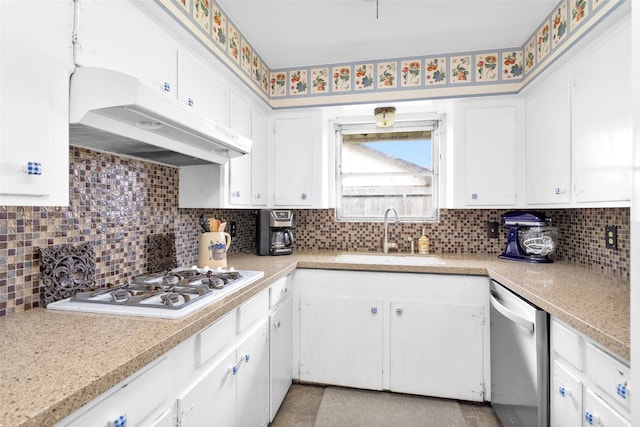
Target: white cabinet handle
column 234, row 369
column 190, row 102
column 563, row 391
column 374, row 310
column 246, row 358
column 258, row 196
column 303, row 196
column 398, row 312
column 277, row 324
column 166, row 87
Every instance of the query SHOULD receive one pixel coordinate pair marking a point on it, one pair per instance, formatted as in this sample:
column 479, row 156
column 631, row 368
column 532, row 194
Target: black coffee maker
column 273, row 232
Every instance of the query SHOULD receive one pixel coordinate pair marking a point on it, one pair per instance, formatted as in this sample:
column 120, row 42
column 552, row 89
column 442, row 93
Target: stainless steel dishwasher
column 519, row 360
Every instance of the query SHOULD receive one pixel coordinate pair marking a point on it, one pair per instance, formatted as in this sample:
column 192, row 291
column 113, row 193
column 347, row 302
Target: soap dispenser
column 423, row 244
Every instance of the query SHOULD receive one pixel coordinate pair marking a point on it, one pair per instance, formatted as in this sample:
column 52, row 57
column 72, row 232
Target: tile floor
column 301, row 405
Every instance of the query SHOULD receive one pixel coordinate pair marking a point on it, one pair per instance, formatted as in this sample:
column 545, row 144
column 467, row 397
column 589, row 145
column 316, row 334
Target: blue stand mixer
column 531, row 237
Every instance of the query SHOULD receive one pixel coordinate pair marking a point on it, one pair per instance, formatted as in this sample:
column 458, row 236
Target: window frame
column 343, row 127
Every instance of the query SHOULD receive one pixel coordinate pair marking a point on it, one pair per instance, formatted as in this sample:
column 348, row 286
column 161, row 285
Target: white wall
column 635, row 215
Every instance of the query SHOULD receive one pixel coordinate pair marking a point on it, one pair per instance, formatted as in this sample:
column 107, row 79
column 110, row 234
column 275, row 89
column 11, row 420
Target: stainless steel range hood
column 114, row 112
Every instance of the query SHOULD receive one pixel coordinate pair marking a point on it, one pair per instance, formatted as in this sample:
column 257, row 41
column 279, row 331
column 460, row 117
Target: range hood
column 114, row 112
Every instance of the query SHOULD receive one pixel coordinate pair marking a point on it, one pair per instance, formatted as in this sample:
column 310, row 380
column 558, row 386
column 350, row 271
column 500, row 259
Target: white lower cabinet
column 341, row 341
column 234, row 391
column 212, row 399
column 598, row 413
column 566, row 396
column 406, row 332
column 252, row 404
column 590, row 387
column 218, row 377
column 442, row 360
column 280, row 357
column 139, row 400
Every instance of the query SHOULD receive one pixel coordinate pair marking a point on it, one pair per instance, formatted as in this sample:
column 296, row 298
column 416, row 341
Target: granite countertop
column 52, row 363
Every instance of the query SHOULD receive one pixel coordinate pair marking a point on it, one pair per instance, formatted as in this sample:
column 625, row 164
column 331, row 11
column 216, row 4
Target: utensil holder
column 212, row 249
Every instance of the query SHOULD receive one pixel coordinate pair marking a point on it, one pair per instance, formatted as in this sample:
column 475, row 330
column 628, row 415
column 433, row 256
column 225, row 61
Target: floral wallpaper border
column 491, row 67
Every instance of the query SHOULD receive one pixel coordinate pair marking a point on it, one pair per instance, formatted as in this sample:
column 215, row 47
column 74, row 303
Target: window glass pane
column 387, row 152
column 381, row 169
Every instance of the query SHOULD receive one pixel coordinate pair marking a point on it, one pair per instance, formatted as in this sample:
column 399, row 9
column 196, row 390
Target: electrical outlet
column 233, row 230
column 492, row 229
column 611, row 237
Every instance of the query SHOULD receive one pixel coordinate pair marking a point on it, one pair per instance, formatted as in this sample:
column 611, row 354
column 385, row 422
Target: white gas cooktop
column 161, row 302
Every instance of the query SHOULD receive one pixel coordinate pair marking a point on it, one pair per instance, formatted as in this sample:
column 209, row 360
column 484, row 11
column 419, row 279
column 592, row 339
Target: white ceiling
column 292, row 33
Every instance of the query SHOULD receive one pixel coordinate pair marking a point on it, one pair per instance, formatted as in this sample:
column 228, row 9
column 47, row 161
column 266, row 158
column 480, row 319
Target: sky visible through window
column 417, row 151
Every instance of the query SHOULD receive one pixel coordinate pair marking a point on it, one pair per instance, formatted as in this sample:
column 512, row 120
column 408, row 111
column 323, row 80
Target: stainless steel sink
column 390, row 259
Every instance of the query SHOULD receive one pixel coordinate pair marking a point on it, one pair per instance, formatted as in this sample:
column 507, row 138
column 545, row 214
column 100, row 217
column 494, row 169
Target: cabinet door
column 201, row 89
column 490, row 156
column 212, row 397
column 601, row 121
column 341, row 341
column 281, row 352
column 240, row 167
column 437, row 350
column 293, row 161
column 253, row 378
column 34, row 102
column 566, row 398
column 259, row 159
column 548, row 142
column 118, row 35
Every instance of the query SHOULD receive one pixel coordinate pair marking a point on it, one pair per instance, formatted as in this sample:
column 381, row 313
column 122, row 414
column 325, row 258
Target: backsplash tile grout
column 115, row 202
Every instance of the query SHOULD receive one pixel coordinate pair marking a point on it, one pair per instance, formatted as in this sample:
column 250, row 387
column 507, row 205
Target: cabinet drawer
column 279, row 291
column 598, row 413
column 567, row 344
column 134, row 399
column 214, row 338
column 255, row 309
column 609, row 374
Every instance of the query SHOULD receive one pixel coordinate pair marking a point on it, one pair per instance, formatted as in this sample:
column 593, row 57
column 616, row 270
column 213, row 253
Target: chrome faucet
column 385, row 243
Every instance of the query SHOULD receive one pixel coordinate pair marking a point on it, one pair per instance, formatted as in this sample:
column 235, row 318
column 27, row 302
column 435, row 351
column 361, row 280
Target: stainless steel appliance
column 531, row 237
column 170, row 295
column 273, row 232
column 519, row 360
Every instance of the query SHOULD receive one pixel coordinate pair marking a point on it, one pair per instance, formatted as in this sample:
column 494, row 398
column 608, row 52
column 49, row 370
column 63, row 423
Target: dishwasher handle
column 514, row 317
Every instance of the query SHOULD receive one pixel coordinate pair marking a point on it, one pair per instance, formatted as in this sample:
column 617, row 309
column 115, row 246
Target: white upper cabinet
column 242, row 182
column 488, row 138
column 578, row 126
column 34, row 102
column 601, row 123
column 240, row 167
column 202, row 90
column 259, row 165
column 298, row 161
column 118, row 35
column 548, row 142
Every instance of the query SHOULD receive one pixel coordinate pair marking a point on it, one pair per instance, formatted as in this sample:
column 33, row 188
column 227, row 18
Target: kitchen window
column 381, row 167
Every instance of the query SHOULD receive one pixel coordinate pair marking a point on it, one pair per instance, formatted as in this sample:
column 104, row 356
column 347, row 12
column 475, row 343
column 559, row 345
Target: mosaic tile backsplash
column 115, row 202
